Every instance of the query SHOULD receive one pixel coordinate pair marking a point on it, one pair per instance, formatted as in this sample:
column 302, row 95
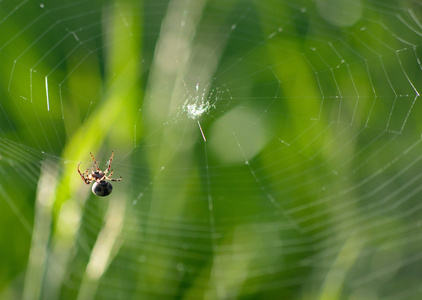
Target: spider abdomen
column 102, row 188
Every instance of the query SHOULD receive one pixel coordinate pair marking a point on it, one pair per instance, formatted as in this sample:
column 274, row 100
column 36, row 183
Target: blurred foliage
column 304, row 183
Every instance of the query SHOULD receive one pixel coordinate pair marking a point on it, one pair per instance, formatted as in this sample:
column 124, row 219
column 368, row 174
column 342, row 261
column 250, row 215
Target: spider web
column 267, row 149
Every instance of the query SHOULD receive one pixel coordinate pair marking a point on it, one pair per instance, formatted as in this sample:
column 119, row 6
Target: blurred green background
column 268, row 149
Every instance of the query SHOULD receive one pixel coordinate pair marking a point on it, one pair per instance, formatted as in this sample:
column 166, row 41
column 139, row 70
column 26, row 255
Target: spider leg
column 87, row 177
column 109, row 162
column 79, row 171
column 87, row 181
column 95, row 162
column 112, row 179
column 109, row 175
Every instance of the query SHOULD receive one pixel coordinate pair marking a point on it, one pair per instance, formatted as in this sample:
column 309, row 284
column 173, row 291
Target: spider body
column 102, row 186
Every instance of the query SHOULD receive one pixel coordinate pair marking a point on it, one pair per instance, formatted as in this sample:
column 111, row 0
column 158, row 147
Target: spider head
column 97, row 175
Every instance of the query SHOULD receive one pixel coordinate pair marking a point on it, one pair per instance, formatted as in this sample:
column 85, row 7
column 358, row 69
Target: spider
column 101, row 186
